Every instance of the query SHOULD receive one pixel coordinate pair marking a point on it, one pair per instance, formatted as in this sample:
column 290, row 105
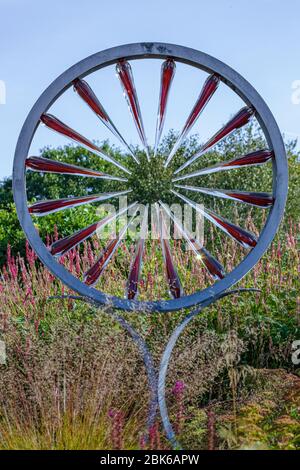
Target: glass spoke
column 209, row 88
column 264, row 200
column 45, row 165
column 175, row 287
column 136, row 266
column 84, row 90
column 49, row 207
column 213, row 266
column 244, row 238
column 167, row 74
column 62, row 246
column 258, row 157
column 238, row 121
column 125, row 75
column 58, row 126
column 91, row 276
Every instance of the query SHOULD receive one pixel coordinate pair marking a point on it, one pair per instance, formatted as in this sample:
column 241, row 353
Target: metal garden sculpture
column 181, row 189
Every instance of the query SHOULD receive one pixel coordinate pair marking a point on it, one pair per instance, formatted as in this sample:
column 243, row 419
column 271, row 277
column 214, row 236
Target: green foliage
column 269, row 420
column 148, row 181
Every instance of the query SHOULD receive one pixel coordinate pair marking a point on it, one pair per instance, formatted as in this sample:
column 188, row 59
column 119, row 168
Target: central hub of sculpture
column 150, row 181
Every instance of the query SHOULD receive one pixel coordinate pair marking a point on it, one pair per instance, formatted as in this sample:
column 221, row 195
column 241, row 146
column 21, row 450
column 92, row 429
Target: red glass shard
column 238, row 121
column 258, row 157
column 51, row 206
column 91, row 276
column 48, row 207
column 46, row 165
column 125, row 75
column 173, row 279
column 209, row 88
column 58, row 126
column 135, row 269
column 264, row 200
column 87, row 94
column 62, row 246
column 167, row 74
column 134, row 275
column 213, row 266
column 175, row 287
column 244, row 238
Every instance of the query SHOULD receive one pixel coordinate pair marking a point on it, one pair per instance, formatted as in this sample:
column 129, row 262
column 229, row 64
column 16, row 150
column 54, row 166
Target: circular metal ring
column 190, row 57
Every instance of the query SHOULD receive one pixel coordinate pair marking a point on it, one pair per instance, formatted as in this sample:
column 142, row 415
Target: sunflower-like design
column 151, row 178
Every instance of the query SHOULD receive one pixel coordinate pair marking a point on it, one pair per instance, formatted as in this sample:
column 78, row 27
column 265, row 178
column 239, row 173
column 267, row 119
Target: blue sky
column 39, row 40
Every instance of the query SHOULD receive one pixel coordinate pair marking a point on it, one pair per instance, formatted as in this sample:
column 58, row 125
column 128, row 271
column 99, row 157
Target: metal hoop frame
column 190, row 57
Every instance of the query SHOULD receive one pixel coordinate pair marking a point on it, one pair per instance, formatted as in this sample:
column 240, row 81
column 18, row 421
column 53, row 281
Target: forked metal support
column 157, row 380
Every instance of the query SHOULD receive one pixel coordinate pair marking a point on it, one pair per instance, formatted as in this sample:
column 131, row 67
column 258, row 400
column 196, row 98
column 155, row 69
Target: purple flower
column 178, row 388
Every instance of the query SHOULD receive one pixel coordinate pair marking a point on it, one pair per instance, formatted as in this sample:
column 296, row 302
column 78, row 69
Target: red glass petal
column 173, row 279
column 62, row 246
column 209, row 88
column 167, row 74
column 51, row 206
column 213, row 266
column 93, row 274
column 58, row 126
column 168, row 71
column 175, row 287
column 255, row 199
column 264, row 200
column 46, row 165
column 135, row 268
column 48, row 207
column 134, row 275
column 254, row 158
column 87, row 94
column 244, row 238
column 258, row 157
column 124, row 73
column 238, row 121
